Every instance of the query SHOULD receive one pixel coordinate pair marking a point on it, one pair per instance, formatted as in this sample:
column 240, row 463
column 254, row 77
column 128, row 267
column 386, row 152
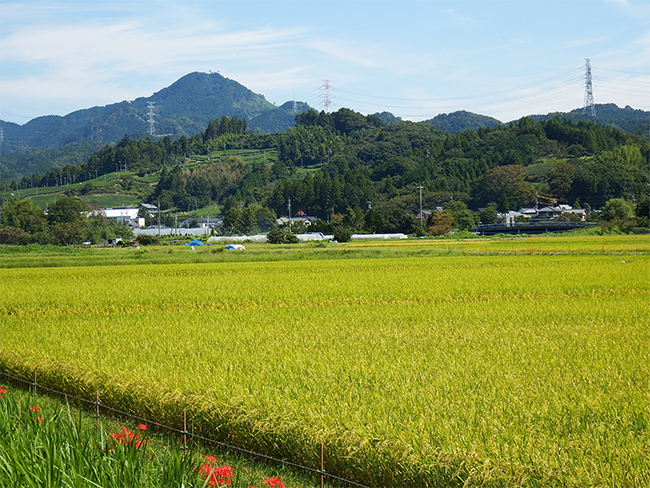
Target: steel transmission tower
column 326, row 95
column 150, row 120
column 589, row 107
column 96, row 130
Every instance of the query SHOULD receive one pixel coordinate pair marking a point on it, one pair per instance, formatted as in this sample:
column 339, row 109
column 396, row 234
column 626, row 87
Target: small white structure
column 121, row 215
column 203, row 223
column 259, row 238
column 306, row 220
column 314, row 236
column 379, row 236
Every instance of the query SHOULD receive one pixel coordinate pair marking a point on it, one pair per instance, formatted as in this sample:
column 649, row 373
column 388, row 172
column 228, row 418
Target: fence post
column 97, row 407
column 322, row 466
column 184, row 430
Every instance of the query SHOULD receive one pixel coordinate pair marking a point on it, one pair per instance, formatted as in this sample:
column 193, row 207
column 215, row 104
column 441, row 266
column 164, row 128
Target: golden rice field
column 463, row 370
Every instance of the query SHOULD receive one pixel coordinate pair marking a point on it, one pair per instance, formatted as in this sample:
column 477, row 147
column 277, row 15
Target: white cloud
column 461, row 19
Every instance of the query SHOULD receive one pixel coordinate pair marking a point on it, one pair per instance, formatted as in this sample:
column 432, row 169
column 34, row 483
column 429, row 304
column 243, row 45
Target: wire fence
column 184, row 434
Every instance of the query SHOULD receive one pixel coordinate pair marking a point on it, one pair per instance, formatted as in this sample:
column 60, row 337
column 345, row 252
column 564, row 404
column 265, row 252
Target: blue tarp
column 194, row 242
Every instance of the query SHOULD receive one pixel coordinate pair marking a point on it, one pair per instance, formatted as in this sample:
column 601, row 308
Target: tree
column 464, row 220
column 67, row 220
column 281, row 236
column 342, row 233
column 67, row 211
column 489, row 214
column 440, row 223
column 504, row 182
column 561, row 179
column 22, row 214
column 617, row 209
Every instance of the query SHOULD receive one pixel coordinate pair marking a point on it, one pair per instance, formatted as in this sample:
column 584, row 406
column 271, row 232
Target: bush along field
column 514, row 369
column 47, row 443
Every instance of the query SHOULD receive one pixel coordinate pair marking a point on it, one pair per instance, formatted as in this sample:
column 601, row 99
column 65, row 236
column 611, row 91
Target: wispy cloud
column 68, row 61
column 585, row 42
column 461, row 19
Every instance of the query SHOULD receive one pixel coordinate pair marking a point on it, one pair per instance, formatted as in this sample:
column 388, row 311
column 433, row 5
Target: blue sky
column 414, row 58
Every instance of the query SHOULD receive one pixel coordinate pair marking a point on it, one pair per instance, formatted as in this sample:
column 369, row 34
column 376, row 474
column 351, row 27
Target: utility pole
column 289, row 207
column 421, row 216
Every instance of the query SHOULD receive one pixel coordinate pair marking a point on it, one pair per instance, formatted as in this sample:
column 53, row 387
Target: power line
column 478, row 95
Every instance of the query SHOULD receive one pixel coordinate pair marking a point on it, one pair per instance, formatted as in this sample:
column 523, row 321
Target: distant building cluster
column 544, row 213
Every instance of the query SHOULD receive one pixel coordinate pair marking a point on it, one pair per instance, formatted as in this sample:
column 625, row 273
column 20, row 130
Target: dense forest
column 344, row 163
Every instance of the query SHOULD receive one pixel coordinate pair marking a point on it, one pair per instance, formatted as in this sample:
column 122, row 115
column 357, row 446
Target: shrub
column 342, row 234
column 146, row 240
column 281, row 236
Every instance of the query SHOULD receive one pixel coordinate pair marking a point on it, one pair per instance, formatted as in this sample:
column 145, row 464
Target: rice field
column 523, row 369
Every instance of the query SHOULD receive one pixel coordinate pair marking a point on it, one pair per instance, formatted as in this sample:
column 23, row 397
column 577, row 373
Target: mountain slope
column 628, row 119
column 184, row 108
column 277, row 120
column 457, row 122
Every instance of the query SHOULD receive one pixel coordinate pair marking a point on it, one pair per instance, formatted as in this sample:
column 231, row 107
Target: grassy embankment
column 48, row 442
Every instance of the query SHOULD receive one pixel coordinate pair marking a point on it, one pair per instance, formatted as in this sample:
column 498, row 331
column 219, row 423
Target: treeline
column 141, row 155
column 68, row 221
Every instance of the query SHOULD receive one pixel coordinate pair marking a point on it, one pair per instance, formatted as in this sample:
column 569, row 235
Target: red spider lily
column 216, row 476
column 2, row 391
column 35, row 409
column 275, row 483
column 142, row 427
column 40, row 420
column 127, row 438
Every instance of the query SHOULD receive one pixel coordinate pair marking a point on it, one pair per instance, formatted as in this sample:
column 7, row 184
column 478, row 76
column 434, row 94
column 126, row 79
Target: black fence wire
column 32, row 385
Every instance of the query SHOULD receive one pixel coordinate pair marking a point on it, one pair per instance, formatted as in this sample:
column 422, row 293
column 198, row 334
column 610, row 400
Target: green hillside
column 457, row 122
column 627, row 118
column 184, row 108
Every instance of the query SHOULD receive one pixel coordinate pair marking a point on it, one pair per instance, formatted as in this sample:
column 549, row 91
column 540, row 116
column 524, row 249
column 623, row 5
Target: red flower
column 40, row 420
column 35, row 409
column 210, row 459
column 216, row 476
column 128, row 438
column 2, row 391
column 275, row 483
column 142, row 427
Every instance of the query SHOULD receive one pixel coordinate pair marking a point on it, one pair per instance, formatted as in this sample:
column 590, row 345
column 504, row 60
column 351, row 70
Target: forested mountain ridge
column 183, row 108
column 344, row 162
column 628, row 119
column 459, row 121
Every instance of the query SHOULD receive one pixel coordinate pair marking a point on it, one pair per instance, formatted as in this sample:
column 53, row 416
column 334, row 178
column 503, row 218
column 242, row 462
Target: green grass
column 495, row 369
column 48, row 442
column 165, row 253
column 112, row 201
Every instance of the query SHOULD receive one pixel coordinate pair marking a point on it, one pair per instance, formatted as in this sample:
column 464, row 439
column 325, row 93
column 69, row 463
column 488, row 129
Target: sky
column 413, row 58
